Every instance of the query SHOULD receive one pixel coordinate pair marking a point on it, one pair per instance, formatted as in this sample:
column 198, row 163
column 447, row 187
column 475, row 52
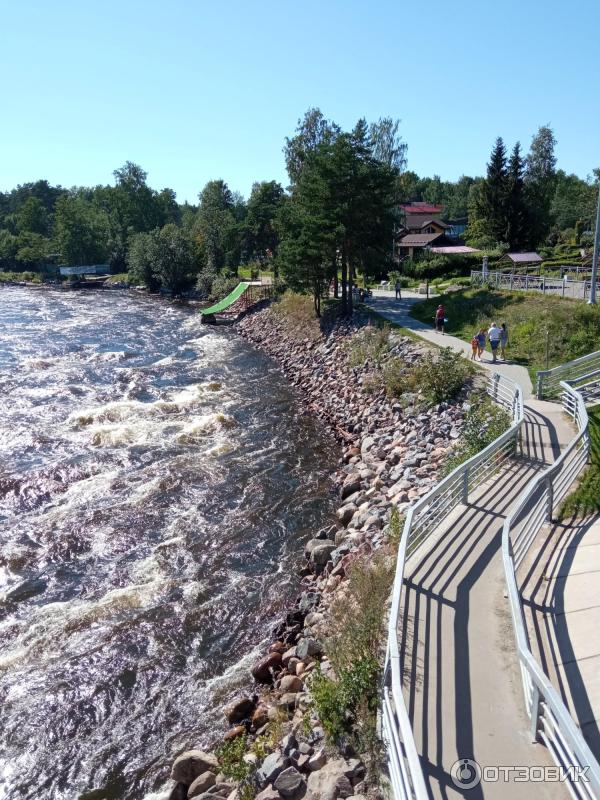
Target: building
column 520, row 261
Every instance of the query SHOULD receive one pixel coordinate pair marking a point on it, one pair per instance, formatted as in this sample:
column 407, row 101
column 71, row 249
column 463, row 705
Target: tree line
column 336, row 218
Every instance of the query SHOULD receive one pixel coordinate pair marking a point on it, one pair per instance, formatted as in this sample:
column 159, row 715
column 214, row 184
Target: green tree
column 495, row 193
column 8, row 249
column 173, row 260
column 516, row 211
column 261, row 238
column 32, row 217
column 141, row 258
column 386, row 143
column 540, row 183
column 217, row 227
column 80, row 231
column 313, row 130
column 32, row 249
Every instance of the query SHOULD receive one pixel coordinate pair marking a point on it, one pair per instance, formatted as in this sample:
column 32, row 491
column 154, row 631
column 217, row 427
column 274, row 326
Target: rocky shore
column 391, row 454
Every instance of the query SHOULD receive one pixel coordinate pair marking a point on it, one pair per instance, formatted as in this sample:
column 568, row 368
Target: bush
column 484, row 422
column 230, row 756
column 440, row 378
column 347, row 702
column 369, row 344
column 222, row 285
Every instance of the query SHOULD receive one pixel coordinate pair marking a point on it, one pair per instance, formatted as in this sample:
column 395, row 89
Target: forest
column 335, row 220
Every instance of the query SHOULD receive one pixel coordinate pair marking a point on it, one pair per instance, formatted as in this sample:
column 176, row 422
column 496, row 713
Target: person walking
column 503, row 341
column 474, row 347
column 440, row 318
column 494, row 335
column 480, row 342
column 398, row 288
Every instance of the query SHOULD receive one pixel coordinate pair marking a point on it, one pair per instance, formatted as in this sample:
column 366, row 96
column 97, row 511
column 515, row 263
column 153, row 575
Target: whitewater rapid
column 156, row 486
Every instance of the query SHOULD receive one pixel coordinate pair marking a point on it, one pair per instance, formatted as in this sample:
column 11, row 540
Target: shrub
column 395, row 377
column 369, row 344
column 230, row 756
column 222, row 285
column 484, row 422
column 347, row 703
column 440, row 378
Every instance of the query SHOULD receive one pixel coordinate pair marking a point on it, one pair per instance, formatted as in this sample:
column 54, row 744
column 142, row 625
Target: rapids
column 156, row 485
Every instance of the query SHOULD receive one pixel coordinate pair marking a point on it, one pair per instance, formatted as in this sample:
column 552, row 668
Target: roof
column 419, row 239
column 454, row 250
column 420, row 208
column 417, row 221
column 522, row 258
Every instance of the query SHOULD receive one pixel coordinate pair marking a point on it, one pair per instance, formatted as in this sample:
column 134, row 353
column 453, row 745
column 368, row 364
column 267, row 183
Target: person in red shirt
column 440, row 318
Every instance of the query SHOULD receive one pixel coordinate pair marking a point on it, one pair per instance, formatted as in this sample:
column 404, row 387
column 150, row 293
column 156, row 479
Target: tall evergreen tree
column 516, row 209
column 540, row 183
column 495, row 193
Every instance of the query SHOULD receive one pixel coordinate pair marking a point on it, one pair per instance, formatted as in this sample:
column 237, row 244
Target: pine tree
column 516, row 210
column 495, row 193
column 540, row 183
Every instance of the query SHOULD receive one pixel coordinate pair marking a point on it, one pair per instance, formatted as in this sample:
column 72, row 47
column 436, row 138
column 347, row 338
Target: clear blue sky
column 194, row 90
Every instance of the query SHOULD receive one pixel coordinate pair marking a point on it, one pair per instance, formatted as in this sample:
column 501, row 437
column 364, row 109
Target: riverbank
column 289, row 737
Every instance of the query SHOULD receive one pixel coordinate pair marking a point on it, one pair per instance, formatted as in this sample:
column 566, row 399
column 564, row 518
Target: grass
column 585, row 500
column 484, row 422
column 120, row 277
column 33, row 277
column 573, row 326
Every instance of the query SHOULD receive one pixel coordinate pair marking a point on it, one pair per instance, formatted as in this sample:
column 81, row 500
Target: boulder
column 260, row 715
column 290, row 683
column 273, row 764
column 287, row 701
column 317, row 761
column 290, row 784
column 345, row 513
column 201, row 784
column 268, row 794
column 189, row 765
column 240, row 709
column 330, row 782
column 233, row 733
column 307, row 648
column 262, row 671
column 179, row 792
column 351, row 485
column 320, row 555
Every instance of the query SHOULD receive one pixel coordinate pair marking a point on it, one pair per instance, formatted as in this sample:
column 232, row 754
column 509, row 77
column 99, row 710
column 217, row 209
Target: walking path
column 398, row 311
column 563, row 607
column 462, row 681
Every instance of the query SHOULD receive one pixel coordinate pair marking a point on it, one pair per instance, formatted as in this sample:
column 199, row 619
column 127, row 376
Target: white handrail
column 404, row 766
column 551, row 721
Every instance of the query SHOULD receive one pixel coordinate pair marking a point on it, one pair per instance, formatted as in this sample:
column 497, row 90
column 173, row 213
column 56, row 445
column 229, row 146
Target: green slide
column 224, row 304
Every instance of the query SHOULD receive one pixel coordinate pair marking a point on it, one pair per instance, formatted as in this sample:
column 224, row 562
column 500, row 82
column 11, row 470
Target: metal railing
column 551, row 721
column 582, row 373
column 577, row 290
column 406, row 775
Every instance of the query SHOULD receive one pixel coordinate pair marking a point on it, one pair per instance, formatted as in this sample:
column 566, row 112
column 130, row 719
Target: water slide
column 226, row 302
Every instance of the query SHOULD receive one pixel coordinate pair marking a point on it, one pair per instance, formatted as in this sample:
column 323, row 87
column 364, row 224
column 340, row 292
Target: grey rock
column 189, row 765
column 307, row 648
column 290, row 784
column 320, row 555
column 201, row 784
column 289, row 742
column 268, row 794
column 330, row 782
column 269, row 770
column 345, row 513
column 317, row 761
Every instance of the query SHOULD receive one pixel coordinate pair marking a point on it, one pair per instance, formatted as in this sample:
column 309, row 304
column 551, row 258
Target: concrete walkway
column 563, row 613
column 398, row 311
column 462, row 681
column 461, row 672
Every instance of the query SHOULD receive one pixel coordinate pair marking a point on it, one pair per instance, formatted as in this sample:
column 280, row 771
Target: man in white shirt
column 494, row 335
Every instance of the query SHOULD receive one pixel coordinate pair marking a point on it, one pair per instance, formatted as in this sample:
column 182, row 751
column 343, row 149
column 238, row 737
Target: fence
column 404, row 767
column 577, row 290
column 582, row 373
column 551, row 722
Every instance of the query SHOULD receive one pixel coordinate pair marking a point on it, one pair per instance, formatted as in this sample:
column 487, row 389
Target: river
column 156, row 485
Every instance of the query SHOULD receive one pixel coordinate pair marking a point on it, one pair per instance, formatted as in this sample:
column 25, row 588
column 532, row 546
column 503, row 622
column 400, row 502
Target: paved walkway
column 462, row 680
column 563, row 613
column 398, row 311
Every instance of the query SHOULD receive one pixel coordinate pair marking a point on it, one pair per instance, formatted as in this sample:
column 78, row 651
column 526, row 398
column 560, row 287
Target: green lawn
column 573, row 327
column 585, row 500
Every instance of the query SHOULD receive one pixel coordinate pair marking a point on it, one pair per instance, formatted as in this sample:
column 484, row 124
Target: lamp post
column 592, row 300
